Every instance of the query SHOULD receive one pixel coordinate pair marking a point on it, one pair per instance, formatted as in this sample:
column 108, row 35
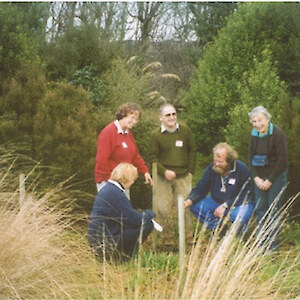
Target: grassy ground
column 44, row 255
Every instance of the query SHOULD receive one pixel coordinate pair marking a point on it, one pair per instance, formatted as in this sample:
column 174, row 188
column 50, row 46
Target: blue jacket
column 112, row 213
column 239, row 187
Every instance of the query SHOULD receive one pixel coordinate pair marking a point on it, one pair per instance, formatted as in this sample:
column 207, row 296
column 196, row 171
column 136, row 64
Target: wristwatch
column 225, row 205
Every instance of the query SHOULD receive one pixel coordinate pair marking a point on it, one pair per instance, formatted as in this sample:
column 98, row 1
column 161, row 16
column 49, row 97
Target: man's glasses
column 171, row 114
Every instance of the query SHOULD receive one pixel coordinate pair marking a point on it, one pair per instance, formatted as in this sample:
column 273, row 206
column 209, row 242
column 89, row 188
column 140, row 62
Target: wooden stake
column 154, row 198
column 181, row 226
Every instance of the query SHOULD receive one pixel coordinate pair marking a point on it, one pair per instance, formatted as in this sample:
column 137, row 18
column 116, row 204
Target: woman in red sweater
column 116, row 144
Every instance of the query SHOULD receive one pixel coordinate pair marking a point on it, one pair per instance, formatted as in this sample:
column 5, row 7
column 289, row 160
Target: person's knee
column 242, row 214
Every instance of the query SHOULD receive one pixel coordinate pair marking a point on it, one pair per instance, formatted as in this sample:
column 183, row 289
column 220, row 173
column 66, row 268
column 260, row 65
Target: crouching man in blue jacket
column 228, row 181
column 115, row 227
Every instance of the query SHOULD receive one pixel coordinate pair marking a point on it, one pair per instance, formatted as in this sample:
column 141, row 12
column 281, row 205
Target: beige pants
column 168, row 192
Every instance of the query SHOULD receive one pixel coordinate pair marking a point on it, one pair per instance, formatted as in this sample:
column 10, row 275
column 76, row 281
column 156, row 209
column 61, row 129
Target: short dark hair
column 127, row 109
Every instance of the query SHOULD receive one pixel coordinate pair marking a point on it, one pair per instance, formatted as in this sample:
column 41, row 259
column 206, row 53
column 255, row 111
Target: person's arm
column 105, row 148
column 154, row 154
column 244, row 187
column 281, row 154
column 200, row 190
column 130, row 216
column 139, row 162
column 191, row 152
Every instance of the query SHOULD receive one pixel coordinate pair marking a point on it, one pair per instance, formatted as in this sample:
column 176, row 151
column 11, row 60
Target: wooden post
column 154, row 198
column 181, row 226
column 22, row 189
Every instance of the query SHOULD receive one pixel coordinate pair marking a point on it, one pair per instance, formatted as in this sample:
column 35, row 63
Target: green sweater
column 174, row 151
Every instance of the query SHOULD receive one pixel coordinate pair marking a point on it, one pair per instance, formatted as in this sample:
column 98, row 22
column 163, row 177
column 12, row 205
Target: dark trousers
column 129, row 239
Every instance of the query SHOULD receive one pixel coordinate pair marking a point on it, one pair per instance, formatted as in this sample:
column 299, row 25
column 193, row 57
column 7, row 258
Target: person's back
column 115, row 225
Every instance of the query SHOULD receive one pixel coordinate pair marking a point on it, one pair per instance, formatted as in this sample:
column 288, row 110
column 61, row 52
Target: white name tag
column 231, row 181
column 179, row 143
column 124, row 145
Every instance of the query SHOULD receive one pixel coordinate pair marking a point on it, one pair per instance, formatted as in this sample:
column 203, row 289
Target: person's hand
column 170, row 175
column 266, row 185
column 219, row 211
column 148, row 178
column 187, row 203
column 259, row 182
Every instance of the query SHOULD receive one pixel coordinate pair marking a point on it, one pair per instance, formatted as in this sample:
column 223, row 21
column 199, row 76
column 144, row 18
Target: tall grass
column 233, row 267
column 44, row 254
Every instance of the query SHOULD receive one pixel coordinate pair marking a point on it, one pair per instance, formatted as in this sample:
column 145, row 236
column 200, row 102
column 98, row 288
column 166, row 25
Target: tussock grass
column 44, row 255
column 235, row 267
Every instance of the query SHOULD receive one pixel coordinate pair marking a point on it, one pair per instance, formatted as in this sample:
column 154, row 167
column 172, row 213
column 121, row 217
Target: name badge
column 231, row 181
column 179, row 143
column 124, row 145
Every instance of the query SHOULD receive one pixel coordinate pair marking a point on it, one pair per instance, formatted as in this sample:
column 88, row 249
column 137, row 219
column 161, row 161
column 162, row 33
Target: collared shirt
column 119, row 128
column 163, row 128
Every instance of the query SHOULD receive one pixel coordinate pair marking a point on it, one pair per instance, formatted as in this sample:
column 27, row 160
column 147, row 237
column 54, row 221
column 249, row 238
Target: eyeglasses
column 171, row 114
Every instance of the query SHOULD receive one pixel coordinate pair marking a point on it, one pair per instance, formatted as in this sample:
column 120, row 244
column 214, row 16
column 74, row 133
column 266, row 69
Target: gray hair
column 257, row 110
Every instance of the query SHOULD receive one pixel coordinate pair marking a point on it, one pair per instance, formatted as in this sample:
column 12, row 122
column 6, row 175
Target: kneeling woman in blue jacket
column 115, row 227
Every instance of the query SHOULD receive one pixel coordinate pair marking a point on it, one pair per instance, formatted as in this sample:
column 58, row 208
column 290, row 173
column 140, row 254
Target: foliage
column 65, row 133
column 88, row 79
column 19, row 102
column 259, row 86
column 75, row 49
column 22, row 29
column 216, row 87
column 209, row 18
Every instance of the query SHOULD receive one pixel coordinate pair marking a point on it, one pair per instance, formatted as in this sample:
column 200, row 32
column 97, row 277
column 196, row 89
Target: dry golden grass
column 44, row 255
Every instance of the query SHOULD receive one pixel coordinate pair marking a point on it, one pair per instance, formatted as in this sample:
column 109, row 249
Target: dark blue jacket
column 238, row 189
column 112, row 213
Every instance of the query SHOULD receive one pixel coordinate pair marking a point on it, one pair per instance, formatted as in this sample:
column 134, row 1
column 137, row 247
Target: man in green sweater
column 173, row 148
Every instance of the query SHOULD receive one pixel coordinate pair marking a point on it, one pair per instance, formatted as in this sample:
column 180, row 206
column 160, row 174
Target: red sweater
column 114, row 148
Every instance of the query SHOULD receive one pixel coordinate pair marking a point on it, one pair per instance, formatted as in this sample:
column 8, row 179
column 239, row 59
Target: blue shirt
column 236, row 189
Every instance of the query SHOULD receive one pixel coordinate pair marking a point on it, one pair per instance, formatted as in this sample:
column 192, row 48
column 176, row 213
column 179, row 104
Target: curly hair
column 126, row 109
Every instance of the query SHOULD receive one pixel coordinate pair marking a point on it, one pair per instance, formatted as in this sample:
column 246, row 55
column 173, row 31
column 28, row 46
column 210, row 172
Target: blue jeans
column 264, row 200
column 204, row 212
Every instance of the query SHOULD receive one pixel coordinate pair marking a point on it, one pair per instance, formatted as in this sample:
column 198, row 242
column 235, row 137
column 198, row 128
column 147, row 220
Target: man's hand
column 148, row 178
column 219, row 211
column 170, row 175
column 187, row 203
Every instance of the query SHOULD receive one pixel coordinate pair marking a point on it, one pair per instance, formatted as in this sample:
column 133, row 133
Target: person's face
column 130, row 120
column 168, row 117
column 261, row 123
column 221, row 165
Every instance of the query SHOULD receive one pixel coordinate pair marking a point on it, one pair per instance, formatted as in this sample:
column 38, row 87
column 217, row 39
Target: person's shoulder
column 156, row 131
column 240, row 164
column 110, row 189
column 184, row 126
column 110, row 127
column 278, row 130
